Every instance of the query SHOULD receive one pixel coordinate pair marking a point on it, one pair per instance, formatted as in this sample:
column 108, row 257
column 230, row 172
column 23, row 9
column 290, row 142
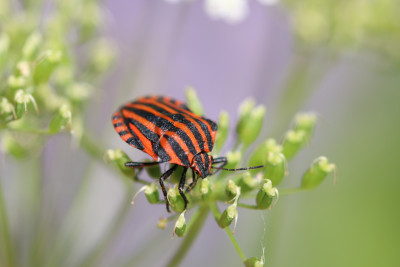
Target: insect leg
column 140, row 166
column 222, row 160
column 192, row 184
column 164, row 176
column 181, row 185
column 131, row 164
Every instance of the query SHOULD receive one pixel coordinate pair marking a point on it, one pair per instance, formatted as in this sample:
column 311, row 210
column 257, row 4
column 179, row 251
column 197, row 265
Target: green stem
column 248, row 206
column 29, row 130
column 191, row 235
column 110, row 233
column 235, row 243
column 8, row 257
column 215, row 211
column 93, row 149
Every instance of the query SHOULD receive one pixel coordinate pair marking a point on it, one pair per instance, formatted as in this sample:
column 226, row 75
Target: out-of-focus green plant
column 49, row 67
column 348, row 24
column 46, row 84
column 251, row 189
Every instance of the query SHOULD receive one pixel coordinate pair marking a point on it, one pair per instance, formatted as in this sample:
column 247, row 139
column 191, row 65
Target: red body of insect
column 169, row 132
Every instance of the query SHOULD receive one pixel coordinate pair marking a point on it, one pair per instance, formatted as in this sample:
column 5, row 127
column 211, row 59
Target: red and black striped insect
column 169, row 131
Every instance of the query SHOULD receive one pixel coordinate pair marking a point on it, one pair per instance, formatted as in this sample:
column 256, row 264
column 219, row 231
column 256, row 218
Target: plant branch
column 194, row 229
column 215, row 211
column 110, row 233
column 8, row 258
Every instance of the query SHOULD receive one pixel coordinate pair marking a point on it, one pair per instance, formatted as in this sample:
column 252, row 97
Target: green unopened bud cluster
column 317, row 173
column 247, row 182
column 175, row 200
column 7, row 110
column 234, row 158
column 296, row 139
column 269, row 154
column 152, row 194
column 22, row 100
column 4, row 46
column 250, row 122
column 231, row 189
column 254, row 262
column 180, row 225
column 205, row 188
column 60, row 120
column 31, row 47
column 227, row 217
column 154, row 171
column 46, row 65
column 40, row 69
column 193, row 102
column 223, row 130
column 119, row 158
column 266, row 195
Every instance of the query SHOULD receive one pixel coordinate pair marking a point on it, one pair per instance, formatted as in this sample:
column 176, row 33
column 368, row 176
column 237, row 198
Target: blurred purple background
column 165, row 47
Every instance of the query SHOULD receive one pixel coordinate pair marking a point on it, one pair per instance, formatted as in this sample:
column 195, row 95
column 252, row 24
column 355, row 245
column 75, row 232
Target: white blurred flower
column 268, row 2
column 176, row 1
column 231, row 11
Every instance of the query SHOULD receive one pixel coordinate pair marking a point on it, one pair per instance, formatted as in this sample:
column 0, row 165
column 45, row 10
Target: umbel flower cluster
column 46, row 83
column 251, row 189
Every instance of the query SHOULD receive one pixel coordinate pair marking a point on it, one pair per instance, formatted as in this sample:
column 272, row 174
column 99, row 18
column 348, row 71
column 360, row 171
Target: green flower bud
column 60, row 120
column 154, row 171
column 16, row 82
column 89, row 19
column 306, row 122
column 318, row 171
column 63, row 75
column 251, row 127
column 275, row 167
column 193, row 102
column 234, row 159
column 266, row 195
column 151, row 193
column 32, row 45
column 103, row 56
column 180, row 225
column 6, row 109
column 162, row 223
column 223, row 130
column 175, row 200
column 119, row 158
column 49, row 99
column 13, row 146
column 4, row 45
column 294, row 141
column 231, row 189
column 79, row 92
column 259, row 156
column 46, row 65
column 247, row 182
column 177, row 175
column 23, row 68
column 205, row 188
column 22, row 100
column 254, row 262
column 228, row 216
column 245, row 109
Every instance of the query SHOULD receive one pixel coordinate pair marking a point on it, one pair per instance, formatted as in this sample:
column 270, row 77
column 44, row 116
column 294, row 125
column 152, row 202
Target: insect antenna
column 238, row 169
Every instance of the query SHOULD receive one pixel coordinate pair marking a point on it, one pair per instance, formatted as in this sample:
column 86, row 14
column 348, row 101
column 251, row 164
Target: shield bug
column 168, row 131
